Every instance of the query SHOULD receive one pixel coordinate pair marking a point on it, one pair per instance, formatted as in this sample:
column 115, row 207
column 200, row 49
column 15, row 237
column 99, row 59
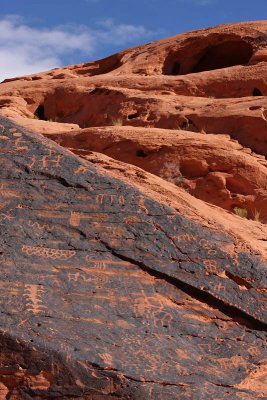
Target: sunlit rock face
column 133, row 223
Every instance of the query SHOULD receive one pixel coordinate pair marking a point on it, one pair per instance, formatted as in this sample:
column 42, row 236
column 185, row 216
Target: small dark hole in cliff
column 176, row 68
column 257, row 92
column 132, row 116
column 183, row 125
column 40, row 113
column 140, row 153
column 254, row 108
column 223, row 55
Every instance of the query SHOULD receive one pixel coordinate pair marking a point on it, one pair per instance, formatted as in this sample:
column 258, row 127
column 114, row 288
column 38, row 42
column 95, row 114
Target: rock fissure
column 236, row 314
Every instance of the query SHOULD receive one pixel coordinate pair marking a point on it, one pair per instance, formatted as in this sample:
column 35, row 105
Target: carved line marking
column 19, row 145
column 80, row 169
column 109, row 198
column 5, row 192
column 6, row 216
column 75, row 218
column 46, row 252
column 34, row 301
column 75, row 277
column 35, row 224
column 56, row 161
column 142, row 207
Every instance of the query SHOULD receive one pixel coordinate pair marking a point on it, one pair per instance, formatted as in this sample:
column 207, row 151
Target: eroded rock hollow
column 133, row 219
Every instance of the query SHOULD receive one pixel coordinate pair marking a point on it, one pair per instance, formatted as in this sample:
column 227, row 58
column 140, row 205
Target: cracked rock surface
column 105, row 291
column 122, row 276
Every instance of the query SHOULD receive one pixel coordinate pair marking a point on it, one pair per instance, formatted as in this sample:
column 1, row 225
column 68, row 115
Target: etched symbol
column 107, row 358
column 80, row 169
column 55, row 161
column 35, row 224
column 142, row 207
column 73, row 277
column 19, row 144
column 46, row 252
column 75, row 218
column 34, row 302
column 131, row 220
column 6, row 192
column 32, row 163
column 102, row 198
column 210, row 265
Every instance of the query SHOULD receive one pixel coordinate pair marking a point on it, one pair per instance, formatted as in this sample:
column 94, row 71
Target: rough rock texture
column 215, row 169
column 125, row 275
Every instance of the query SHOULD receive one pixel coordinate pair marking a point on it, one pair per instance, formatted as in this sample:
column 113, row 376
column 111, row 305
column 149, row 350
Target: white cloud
column 119, row 34
column 25, row 50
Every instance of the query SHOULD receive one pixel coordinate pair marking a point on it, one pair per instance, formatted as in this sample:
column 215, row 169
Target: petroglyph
column 121, row 200
column 7, row 192
column 20, row 145
column 104, row 264
column 37, row 225
column 107, row 359
column 142, row 209
column 80, row 169
column 154, row 308
column 73, row 276
column 33, row 295
column 46, row 252
column 106, row 198
column 6, row 216
column 185, row 237
column 48, row 161
column 75, row 218
column 210, row 265
column 131, row 220
column 17, row 134
column 32, row 162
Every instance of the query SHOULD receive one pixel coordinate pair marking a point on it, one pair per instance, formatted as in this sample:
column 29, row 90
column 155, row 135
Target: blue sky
column 37, row 35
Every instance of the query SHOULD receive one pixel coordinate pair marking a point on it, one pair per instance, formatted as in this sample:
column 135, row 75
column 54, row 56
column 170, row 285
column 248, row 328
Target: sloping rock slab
column 108, row 294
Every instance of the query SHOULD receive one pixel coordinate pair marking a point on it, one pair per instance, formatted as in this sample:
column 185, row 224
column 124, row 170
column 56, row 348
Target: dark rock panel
column 108, row 294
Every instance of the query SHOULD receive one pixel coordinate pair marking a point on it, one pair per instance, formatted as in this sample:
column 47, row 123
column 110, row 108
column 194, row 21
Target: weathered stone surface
column 214, row 169
column 116, row 282
column 105, row 291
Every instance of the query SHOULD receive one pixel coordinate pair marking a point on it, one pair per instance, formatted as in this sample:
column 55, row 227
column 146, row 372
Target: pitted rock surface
column 106, row 293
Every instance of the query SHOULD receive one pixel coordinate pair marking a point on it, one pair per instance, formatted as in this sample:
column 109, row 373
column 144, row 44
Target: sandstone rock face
column 125, row 272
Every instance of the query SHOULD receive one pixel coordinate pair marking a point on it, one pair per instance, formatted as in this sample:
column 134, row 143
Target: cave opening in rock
column 208, row 57
column 176, row 68
column 223, row 55
column 133, row 116
column 257, row 92
column 140, row 153
column 40, row 112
